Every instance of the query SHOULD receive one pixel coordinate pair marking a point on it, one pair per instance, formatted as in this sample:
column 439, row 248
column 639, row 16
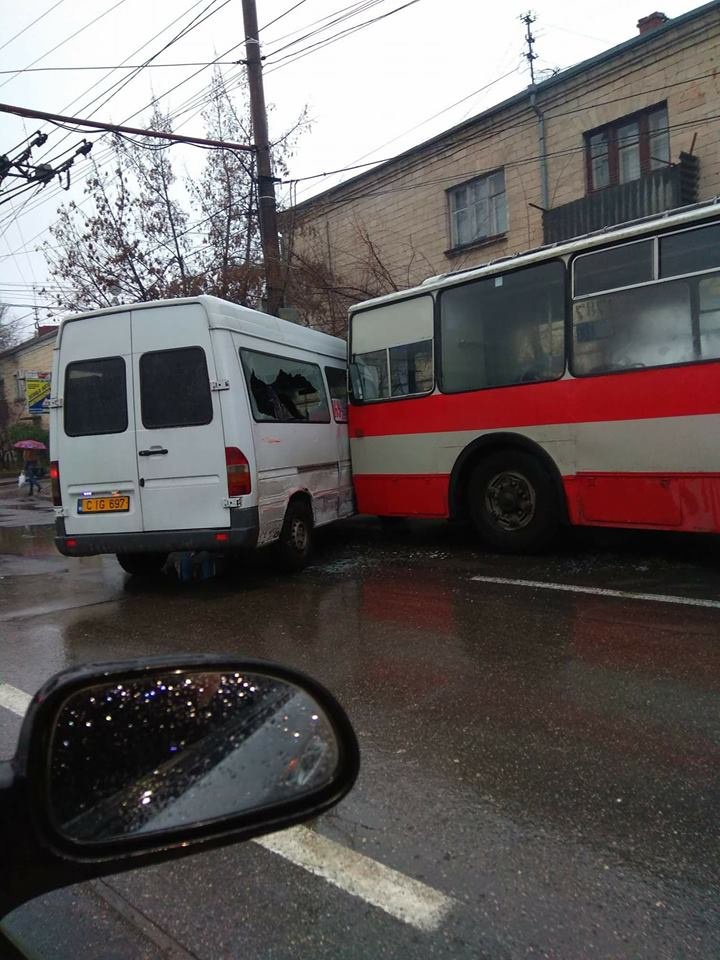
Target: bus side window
column 648, row 326
column 371, row 373
column 337, row 384
column 709, row 302
column 411, row 368
column 504, row 329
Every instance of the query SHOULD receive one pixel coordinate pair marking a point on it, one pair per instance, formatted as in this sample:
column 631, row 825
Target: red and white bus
column 577, row 383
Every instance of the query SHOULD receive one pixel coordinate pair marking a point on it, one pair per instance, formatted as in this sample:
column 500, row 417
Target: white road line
column 601, row 592
column 402, row 897
column 13, row 699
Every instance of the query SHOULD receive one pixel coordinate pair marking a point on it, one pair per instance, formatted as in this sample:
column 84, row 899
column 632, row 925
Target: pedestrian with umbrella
column 30, row 465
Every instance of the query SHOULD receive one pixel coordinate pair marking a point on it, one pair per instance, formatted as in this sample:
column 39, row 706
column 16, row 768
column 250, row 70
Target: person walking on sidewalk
column 32, row 473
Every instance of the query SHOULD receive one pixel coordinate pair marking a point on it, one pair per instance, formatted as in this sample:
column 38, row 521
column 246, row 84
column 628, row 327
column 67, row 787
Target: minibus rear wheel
column 293, row 547
column 142, row 564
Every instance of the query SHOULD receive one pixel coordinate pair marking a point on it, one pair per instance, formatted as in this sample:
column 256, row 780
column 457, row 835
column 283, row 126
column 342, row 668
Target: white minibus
column 196, row 424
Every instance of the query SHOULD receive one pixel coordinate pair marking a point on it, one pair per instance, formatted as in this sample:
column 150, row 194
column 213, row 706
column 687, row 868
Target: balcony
column 661, row 190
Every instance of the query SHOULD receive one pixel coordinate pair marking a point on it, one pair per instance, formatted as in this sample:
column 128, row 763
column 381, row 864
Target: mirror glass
column 175, row 748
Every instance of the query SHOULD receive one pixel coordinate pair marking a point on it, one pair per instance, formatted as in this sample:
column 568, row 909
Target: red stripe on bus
column 638, row 395
column 656, row 501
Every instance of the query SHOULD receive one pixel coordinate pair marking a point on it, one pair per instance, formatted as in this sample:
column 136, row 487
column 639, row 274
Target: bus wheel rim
column 510, row 500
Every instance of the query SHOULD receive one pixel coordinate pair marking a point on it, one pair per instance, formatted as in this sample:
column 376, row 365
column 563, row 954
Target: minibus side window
column 175, row 388
column 95, row 400
column 284, row 390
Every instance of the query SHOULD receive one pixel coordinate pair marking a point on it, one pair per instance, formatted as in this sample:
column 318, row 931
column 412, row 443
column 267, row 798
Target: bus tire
column 513, row 503
column 294, row 545
column 142, row 564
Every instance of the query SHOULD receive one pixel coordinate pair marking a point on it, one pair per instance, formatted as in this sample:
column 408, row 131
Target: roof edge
column 515, row 100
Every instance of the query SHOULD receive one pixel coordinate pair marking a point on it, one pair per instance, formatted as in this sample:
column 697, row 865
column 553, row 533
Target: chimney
column 47, row 328
column 651, row 22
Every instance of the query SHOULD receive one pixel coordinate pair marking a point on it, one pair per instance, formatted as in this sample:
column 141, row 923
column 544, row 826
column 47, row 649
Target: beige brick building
column 632, row 132
column 30, row 357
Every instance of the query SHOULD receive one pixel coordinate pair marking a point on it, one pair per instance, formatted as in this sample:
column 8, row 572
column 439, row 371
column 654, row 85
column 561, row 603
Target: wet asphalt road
column 549, row 760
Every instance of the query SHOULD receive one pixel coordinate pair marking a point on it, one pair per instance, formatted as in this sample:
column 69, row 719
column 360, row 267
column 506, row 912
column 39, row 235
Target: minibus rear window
column 175, row 388
column 95, row 399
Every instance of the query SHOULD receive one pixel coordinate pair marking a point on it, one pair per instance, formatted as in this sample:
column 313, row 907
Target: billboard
column 37, row 392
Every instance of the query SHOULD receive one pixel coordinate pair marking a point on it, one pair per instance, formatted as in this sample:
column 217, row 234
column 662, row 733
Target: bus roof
column 679, row 217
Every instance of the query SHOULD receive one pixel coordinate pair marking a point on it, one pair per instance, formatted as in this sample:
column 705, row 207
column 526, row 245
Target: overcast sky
column 370, row 95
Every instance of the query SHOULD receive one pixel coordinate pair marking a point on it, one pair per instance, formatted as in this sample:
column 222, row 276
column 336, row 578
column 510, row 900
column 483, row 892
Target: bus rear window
column 95, row 400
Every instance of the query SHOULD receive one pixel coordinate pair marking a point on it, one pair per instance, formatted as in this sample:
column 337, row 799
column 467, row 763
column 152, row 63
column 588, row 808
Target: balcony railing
column 657, row 192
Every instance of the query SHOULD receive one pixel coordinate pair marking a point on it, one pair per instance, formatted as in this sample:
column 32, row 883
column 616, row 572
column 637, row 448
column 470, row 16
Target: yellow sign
column 37, row 392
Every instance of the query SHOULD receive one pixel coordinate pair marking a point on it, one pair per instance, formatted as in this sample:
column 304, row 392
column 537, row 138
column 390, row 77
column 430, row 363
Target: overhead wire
column 31, row 24
column 366, row 4
column 357, row 164
column 566, row 112
column 182, row 33
column 72, row 36
column 431, row 153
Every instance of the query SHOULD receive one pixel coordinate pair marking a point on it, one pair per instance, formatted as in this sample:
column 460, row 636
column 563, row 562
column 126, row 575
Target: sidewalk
column 9, row 490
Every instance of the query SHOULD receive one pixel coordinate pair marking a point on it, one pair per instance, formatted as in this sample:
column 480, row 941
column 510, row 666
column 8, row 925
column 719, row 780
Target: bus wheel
column 294, row 545
column 513, row 504
column 142, row 564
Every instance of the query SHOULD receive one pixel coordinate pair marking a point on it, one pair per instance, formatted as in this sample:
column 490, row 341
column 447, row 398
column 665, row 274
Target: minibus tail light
column 238, row 472
column 55, row 483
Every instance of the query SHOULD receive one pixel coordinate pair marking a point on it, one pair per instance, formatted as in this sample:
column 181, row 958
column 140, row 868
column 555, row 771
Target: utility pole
column 266, row 182
column 530, row 56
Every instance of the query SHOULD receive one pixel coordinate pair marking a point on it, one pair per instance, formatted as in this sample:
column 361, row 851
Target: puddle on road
column 28, row 541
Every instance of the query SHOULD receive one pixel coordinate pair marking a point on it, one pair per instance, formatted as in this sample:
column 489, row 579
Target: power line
column 471, row 174
column 345, row 13
column 50, row 194
column 439, row 152
column 121, row 66
column 371, row 163
column 59, row 119
column 31, row 24
column 294, row 7
column 68, row 39
column 298, row 54
column 353, row 11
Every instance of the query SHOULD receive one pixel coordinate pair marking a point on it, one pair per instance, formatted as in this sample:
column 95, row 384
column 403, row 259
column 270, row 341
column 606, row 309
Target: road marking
column 13, row 699
column 602, row 592
column 400, row 896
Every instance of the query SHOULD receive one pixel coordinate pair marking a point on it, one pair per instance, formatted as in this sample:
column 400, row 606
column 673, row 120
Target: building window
column 627, row 149
column 478, row 209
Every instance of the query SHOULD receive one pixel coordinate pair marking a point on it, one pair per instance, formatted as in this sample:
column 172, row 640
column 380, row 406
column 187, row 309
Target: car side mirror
column 129, row 763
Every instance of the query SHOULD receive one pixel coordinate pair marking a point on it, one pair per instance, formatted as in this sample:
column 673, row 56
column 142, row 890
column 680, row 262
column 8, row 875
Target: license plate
column 104, row 505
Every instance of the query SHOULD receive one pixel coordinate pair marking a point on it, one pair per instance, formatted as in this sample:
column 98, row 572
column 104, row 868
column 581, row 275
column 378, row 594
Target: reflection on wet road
column 547, row 759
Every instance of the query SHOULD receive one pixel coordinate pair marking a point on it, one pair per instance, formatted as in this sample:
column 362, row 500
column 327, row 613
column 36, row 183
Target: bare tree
column 148, row 236
column 8, row 329
column 323, row 291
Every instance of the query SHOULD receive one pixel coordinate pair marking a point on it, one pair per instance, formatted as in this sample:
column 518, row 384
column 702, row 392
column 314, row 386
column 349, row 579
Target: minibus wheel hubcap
column 510, row 500
column 299, row 534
